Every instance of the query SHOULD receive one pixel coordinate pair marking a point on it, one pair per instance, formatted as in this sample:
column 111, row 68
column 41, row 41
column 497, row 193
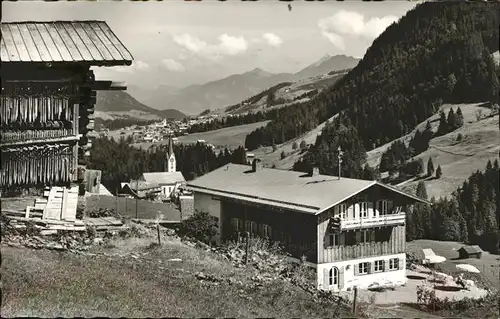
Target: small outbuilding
column 470, row 252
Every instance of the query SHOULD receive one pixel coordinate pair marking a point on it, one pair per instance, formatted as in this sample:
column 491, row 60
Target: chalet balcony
column 374, row 221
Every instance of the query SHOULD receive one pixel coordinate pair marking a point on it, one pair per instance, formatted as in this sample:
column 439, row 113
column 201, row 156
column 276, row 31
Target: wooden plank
column 106, row 42
column 72, row 36
column 96, row 41
column 29, row 43
column 9, row 44
column 45, row 211
column 19, row 43
column 38, row 42
column 63, row 42
column 87, row 41
column 64, row 204
column 27, row 215
column 72, row 202
column 4, row 55
column 53, row 51
column 114, row 40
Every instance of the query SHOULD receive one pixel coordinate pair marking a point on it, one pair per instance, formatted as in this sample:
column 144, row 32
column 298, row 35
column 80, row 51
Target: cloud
column 272, row 39
column 172, row 65
column 228, row 45
column 137, row 65
column 353, row 24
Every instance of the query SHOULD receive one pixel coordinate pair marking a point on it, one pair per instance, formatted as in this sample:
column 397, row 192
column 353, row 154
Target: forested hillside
column 438, row 52
column 472, row 215
column 120, row 162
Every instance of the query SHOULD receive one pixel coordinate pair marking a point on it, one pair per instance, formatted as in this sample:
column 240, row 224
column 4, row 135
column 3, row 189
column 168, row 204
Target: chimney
column 256, row 165
column 314, row 171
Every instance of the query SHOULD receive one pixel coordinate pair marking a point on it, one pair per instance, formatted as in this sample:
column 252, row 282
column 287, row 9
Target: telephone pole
column 339, row 157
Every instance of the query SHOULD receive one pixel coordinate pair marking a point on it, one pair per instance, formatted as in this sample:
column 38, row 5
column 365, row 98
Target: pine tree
column 459, row 117
column 303, row 145
column 430, row 167
column 443, row 124
column 452, row 120
column 439, row 172
column 421, row 190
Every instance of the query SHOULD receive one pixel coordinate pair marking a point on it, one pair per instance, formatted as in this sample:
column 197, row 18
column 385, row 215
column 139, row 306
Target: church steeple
column 170, row 162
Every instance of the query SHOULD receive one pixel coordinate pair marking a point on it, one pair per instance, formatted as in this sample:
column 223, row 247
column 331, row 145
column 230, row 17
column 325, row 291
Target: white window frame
column 365, row 236
column 333, row 276
column 394, row 264
column 254, row 228
column 343, row 211
column 363, row 213
column 363, row 270
column 383, row 206
column 333, row 239
column 380, row 263
column 266, row 230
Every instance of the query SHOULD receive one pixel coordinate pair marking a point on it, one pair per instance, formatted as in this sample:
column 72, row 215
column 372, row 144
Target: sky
column 180, row 43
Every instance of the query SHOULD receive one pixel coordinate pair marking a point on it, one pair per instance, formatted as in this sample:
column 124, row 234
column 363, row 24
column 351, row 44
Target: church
column 165, row 183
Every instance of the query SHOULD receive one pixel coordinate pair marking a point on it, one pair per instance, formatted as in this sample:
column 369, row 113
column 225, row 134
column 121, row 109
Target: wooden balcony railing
column 374, row 221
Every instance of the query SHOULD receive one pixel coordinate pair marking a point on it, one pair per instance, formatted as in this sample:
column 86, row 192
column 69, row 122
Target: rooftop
column 164, row 177
column 287, row 189
column 62, row 41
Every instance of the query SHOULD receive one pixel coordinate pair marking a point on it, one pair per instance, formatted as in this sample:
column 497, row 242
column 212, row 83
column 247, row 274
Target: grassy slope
column 269, row 157
column 50, row 284
column 458, row 160
column 294, row 90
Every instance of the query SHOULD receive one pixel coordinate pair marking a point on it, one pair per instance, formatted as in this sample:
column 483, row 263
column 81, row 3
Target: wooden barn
column 48, row 97
column 470, row 252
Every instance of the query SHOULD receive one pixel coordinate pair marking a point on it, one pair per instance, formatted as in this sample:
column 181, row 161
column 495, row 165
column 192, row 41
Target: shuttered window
column 394, row 264
column 235, row 224
column 378, row 266
column 266, row 231
column 382, row 207
column 363, row 268
column 253, row 228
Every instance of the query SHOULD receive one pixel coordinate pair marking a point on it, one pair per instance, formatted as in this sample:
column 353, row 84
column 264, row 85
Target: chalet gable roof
column 88, row 41
column 286, row 189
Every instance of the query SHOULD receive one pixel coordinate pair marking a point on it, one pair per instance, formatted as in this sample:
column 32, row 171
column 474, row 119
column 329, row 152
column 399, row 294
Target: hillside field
column 458, row 159
column 230, row 137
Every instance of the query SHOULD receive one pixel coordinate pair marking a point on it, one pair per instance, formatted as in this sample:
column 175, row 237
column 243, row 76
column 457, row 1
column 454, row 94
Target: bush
column 459, row 137
column 200, row 226
column 295, row 146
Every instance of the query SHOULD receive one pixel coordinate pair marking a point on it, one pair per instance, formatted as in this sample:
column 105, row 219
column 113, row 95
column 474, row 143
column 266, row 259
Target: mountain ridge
column 235, row 88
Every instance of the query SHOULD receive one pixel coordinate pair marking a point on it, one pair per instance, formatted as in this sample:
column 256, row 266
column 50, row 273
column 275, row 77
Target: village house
column 352, row 231
column 163, row 184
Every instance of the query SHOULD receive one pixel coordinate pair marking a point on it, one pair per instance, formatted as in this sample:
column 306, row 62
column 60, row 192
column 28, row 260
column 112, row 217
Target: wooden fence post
column 158, row 231
column 247, row 246
column 355, row 299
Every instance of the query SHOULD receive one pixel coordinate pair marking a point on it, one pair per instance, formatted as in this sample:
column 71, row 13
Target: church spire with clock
column 170, row 162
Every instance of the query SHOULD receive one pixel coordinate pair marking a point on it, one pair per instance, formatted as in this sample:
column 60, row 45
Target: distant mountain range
column 120, row 104
column 233, row 89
